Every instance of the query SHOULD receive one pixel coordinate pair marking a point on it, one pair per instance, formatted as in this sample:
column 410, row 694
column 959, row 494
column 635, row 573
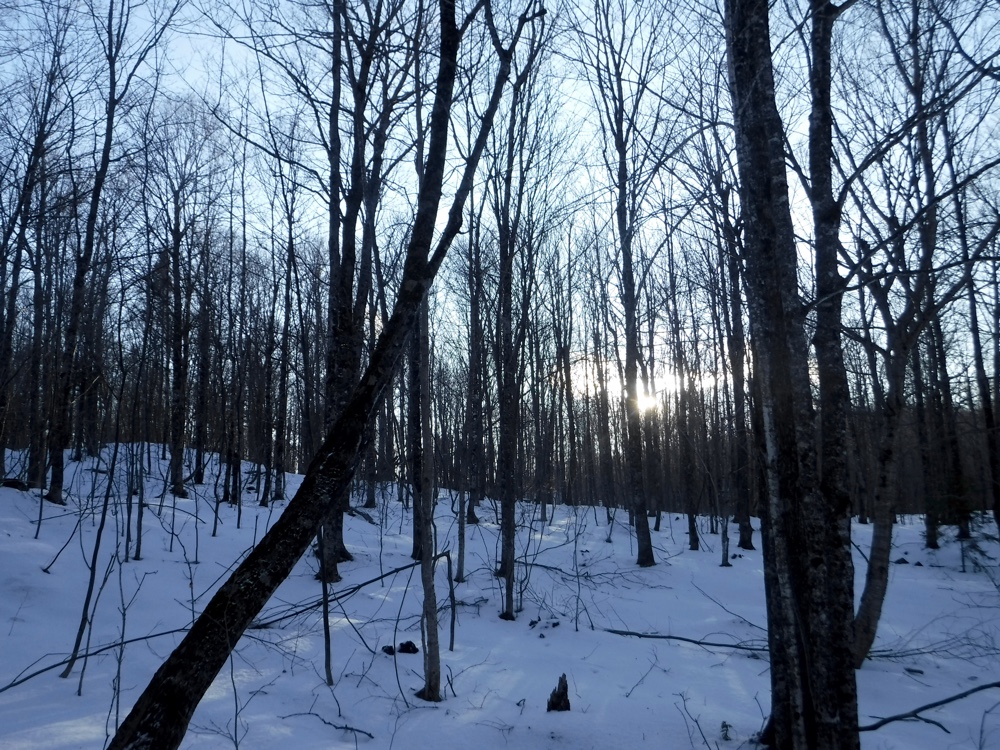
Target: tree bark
column 424, row 498
column 813, row 692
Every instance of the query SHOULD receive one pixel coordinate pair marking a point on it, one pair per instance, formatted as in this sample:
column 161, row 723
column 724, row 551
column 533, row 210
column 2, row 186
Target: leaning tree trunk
column 340, row 363
column 877, row 573
column 161, row 715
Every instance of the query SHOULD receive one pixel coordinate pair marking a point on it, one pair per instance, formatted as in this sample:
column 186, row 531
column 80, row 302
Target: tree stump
column 559, row 700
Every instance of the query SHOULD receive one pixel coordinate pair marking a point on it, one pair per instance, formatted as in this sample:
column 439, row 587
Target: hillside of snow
column 698, row 680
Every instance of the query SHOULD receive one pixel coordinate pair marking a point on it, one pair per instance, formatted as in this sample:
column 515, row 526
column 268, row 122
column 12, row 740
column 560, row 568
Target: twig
column 982, row 724
column 101, row 650
column 336, row 596
column 703, row 644
column 915, row 713
column 651, row 668
column 353, row 626
column 727, row 610
column 395, row 634
column 79, row 520
column 684, row 703
column 860, row 551
column 342, row 727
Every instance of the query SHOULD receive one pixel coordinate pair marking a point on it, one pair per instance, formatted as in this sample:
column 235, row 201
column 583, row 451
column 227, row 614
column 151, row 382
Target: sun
column 648, row 402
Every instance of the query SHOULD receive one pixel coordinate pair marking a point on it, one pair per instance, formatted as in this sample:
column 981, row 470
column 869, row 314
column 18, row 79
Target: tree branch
column 915, row 713
column 696, row 642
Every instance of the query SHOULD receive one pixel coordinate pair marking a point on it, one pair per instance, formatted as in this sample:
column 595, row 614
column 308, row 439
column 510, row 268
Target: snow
column 939, row 636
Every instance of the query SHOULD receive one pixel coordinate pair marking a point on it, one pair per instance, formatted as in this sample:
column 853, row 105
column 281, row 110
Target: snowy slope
column 940, row 634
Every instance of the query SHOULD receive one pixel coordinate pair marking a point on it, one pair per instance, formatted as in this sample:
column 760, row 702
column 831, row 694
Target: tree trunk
column 474, row 428
column 604, row 479
column 178, row 354
column 161, row 715
column 424, row 497
column 813, row 692
column 736, row 342
column 414, row 440
column 205, row 309
column 877, row 573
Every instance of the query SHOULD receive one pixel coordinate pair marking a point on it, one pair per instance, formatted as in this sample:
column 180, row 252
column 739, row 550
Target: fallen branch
column 86, row 655
column 725, row 609
column 860, row 551
column 342, row 727
column 696, row 642
column 915, row 713
column 360, row 513
column 335, row 596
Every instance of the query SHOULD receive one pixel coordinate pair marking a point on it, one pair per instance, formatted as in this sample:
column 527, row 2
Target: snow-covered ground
column 940, row 634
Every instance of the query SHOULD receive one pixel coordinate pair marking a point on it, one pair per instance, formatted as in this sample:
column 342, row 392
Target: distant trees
column 624, row 54
column 913, row 261
column 182, row 175
column 601, row 264
column 123, row 53
column 214, row 261
column 161, row 715
column 31, row 149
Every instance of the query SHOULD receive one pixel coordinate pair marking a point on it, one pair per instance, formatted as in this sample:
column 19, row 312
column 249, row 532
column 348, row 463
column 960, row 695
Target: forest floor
column 939, row 635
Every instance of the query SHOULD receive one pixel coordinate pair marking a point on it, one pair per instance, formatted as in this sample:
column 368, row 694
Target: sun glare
column 648, row 402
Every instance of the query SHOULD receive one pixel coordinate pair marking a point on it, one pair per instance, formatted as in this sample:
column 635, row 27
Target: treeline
column 204, row 218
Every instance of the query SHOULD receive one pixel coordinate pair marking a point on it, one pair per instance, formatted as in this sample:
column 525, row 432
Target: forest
column 727, row 265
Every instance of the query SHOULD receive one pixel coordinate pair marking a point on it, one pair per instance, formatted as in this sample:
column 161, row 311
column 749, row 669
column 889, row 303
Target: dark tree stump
column 559, row 700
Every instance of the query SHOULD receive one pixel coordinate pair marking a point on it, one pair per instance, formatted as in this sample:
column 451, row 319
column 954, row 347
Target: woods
column 649, row 258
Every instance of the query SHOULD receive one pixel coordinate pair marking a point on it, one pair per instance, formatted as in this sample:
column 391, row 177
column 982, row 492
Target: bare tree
column 162, row 713
column 623, row 54
column 423, row 499
column 42, row 107
column 813, row 692
column 514, row 212
column 124, row 52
